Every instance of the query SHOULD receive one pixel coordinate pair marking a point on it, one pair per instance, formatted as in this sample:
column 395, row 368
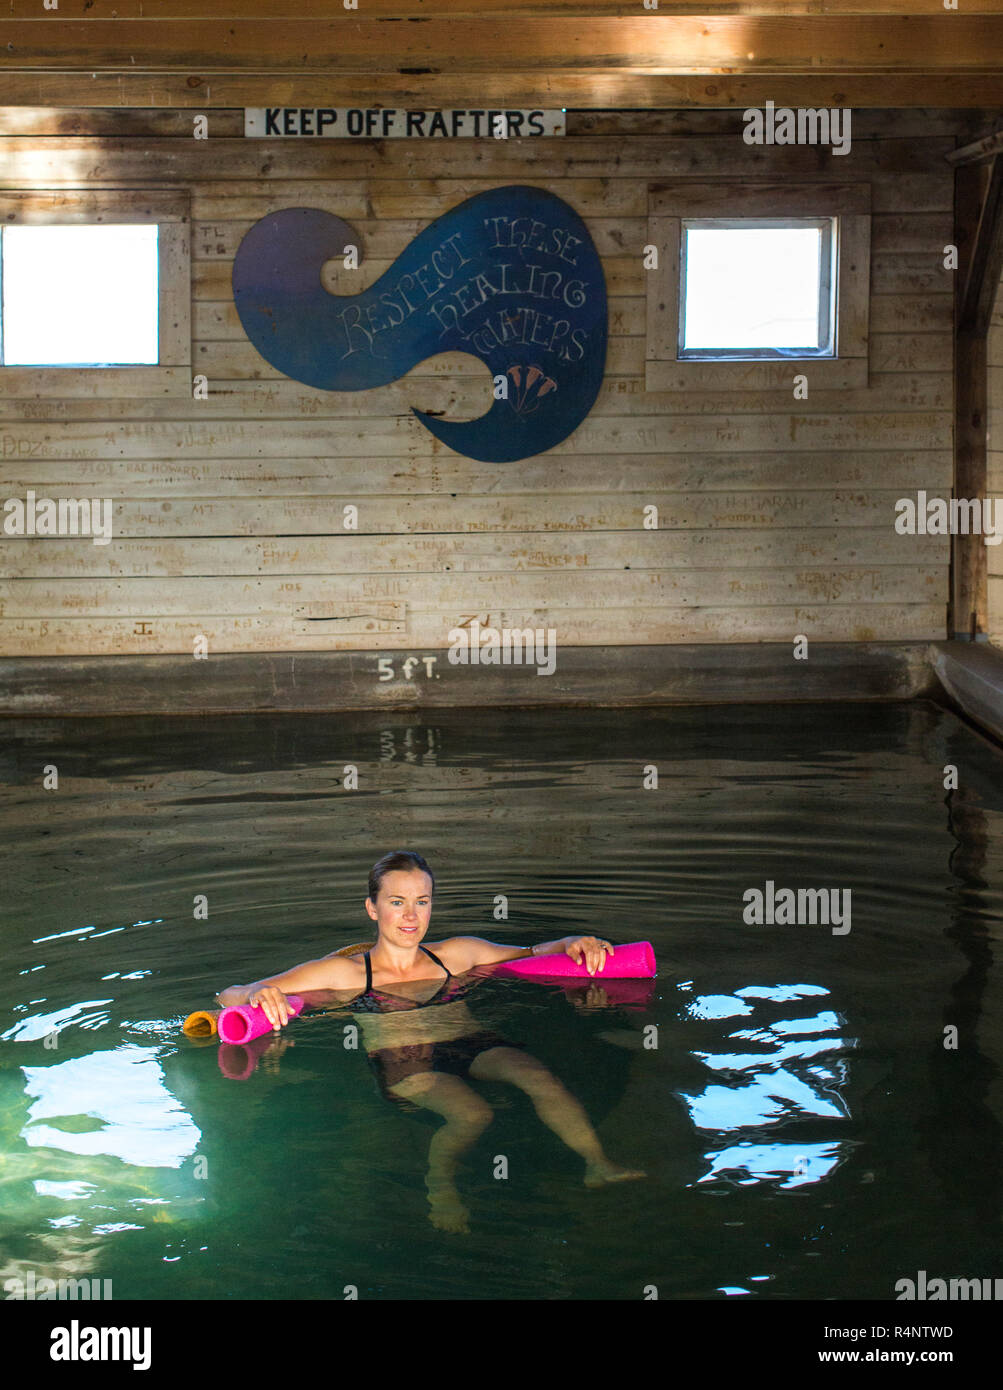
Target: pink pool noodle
column 635, row 961
column 236, row 1063
column 240, row 1023
column 627, row 994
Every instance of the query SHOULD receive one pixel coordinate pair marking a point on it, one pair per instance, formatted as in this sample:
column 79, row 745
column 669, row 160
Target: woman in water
column 421, row 1038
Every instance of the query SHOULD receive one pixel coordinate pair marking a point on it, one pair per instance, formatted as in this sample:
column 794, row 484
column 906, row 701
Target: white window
column 79, row 296
column 757, row 288
column 95, row 285
column 752, row 277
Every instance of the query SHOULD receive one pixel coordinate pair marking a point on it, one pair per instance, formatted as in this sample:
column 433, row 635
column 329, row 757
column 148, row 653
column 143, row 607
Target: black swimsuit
column 369, row 1001
column 393, row 1064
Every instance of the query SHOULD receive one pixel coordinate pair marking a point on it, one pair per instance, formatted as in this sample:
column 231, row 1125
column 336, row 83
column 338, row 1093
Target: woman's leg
column 556, row 1107
column 466, row 1115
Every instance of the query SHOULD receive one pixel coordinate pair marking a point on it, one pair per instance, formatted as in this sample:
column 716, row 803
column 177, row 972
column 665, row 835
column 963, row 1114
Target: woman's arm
column 328, row 973
column 476, row 951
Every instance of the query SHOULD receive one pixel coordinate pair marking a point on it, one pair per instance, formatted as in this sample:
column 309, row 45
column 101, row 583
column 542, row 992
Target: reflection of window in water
column 140, row 1122
column 103, row 1150
column 792, row 1070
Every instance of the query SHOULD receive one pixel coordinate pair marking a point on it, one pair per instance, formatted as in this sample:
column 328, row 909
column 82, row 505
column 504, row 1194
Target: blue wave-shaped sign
column 511, row 276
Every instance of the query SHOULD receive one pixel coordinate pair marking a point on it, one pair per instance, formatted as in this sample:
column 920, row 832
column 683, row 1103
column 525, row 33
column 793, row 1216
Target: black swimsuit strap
column 449, row 973
column 369, row 976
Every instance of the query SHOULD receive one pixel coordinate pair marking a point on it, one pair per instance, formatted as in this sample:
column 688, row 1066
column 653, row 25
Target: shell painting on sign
column 511, row 276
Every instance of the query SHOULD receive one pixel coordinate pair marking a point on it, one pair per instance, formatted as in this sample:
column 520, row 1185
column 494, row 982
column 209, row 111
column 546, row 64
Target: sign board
column 387, row 123
column 510, row 276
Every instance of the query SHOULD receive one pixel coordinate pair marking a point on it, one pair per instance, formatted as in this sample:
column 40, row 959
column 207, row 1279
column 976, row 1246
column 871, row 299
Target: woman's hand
column 274, row 1003
column 591, row 949
column 278, row 1044
column 590, row 997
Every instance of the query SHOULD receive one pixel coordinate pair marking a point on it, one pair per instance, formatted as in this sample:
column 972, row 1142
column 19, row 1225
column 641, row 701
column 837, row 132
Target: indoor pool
column 788, row 1088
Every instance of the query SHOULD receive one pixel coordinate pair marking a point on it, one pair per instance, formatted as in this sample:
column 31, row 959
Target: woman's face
column 403, row 906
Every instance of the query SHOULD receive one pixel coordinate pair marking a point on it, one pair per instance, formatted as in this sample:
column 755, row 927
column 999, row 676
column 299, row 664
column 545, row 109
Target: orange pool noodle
column 201, row 1024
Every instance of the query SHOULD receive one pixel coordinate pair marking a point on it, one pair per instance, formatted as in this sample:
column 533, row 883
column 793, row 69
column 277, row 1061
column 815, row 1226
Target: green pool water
column 787, row 1090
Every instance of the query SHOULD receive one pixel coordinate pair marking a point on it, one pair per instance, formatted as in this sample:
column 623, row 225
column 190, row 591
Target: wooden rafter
column 572, row 53
column 949, row 43
column 157, row 10
column 985, row 147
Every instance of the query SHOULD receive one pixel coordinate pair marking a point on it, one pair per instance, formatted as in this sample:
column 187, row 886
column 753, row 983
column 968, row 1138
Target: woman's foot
column 447, row 1212
column 604, row 1170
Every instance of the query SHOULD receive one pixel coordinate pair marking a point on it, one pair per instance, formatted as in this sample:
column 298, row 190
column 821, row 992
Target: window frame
column 171, row 212
column 828, row 228
column 671, row 202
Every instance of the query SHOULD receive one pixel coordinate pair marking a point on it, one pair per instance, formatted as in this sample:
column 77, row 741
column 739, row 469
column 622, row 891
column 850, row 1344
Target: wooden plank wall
column 776, row 516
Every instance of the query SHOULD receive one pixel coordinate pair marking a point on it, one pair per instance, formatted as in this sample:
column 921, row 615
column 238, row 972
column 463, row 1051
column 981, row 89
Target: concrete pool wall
column 967, row 675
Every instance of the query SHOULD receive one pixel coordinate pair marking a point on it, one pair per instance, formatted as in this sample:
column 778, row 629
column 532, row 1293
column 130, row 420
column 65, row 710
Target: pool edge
column 629, row 676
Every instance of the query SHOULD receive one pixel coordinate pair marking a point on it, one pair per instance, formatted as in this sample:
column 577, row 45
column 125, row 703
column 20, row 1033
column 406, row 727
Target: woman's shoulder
column 343, row 971
column 457, row 952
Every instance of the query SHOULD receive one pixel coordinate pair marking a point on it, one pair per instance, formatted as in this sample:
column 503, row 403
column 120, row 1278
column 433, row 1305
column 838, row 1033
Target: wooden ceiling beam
column 949, row 43
column 197, row 91
column 157, row 10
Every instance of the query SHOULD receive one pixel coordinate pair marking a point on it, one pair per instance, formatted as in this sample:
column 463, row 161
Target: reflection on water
column 93, row 1132
column 773, row 1083
column 788, row 1165
column 789, row 1063
column 135, row 1117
